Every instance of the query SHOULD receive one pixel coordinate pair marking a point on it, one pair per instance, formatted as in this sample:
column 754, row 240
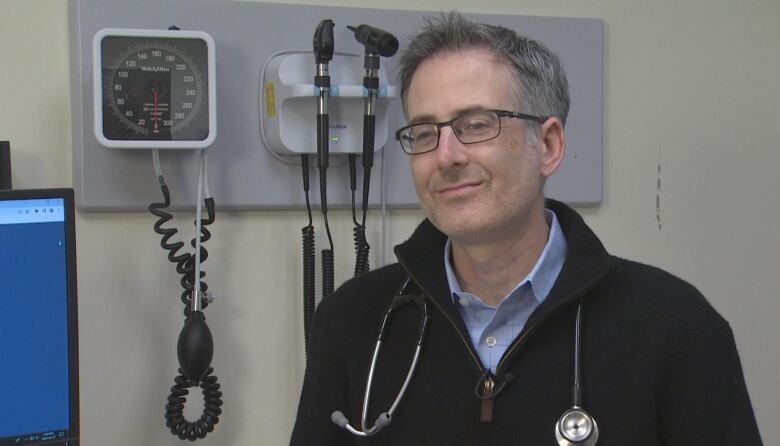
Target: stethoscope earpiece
column 576, row 427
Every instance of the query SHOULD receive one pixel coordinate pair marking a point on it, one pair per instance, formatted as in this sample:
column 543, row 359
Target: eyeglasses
column 471, row 128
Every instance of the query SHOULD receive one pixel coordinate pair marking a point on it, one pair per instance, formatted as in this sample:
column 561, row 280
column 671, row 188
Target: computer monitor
column 38, row 319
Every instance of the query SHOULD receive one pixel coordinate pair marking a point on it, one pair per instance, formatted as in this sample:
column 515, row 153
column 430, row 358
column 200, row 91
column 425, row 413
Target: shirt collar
column 544, row 273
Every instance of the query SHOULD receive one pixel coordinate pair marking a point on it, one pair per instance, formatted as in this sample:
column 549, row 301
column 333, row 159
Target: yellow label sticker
column 270, row 100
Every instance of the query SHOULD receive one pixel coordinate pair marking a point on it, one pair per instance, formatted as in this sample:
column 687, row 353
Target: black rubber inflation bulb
column 195, row 348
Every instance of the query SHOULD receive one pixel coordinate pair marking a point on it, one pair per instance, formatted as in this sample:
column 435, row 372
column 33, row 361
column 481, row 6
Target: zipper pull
column 486, row 412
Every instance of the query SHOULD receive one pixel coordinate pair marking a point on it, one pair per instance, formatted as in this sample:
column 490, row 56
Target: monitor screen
column 38, row 318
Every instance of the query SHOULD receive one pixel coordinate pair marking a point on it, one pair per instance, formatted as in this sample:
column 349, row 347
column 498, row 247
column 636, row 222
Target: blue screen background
column 34, row 379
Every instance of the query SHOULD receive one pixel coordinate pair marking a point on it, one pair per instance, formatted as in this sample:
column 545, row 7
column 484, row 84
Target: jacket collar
column 587, row 262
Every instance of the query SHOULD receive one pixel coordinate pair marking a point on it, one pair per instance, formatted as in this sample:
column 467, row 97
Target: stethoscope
column 576, row 427
column 385, row 418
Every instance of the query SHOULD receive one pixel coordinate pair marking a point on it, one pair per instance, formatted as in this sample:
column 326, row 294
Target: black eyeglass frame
column 439, row 125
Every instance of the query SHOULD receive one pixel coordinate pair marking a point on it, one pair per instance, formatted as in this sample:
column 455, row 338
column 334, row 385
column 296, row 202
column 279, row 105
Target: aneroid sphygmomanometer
column 156, row 89
column 575, row 427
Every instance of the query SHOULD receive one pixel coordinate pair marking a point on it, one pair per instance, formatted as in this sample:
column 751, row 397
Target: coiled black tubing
column 361, row 249
column 328, row 280
column 309, row 292
column 309, row 260
column 185, row 265
column 328, row 267
column 174, row 410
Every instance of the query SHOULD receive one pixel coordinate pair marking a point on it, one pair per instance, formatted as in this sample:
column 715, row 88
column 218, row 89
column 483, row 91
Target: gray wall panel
column 242, row 174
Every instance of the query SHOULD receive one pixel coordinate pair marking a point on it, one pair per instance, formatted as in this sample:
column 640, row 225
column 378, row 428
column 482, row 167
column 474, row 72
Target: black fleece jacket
column 659, row 364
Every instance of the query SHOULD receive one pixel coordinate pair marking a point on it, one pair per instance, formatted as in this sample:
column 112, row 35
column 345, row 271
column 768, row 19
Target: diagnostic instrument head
column 323, row 42
column 375, row 39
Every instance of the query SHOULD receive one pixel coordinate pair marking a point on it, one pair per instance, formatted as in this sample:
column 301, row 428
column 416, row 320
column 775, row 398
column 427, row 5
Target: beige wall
column 692, row 86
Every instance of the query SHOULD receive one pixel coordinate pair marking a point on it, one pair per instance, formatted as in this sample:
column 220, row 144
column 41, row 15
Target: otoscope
column 323, row 52
column 377, row 43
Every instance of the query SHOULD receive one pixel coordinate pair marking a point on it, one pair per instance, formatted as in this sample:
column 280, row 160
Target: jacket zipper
column 488, row 386
column 486, row 411
column 516, row 344
column 463, row 339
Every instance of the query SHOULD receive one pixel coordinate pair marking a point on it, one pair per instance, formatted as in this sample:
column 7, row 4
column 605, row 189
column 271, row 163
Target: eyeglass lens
column 469, row 129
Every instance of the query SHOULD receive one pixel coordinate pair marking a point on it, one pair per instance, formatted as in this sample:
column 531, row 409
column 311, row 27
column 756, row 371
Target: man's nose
column 451, row 152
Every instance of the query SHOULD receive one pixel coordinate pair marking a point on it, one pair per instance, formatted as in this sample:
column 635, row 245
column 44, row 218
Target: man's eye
column 476, row 123
column 422, row 135
column 473, row 125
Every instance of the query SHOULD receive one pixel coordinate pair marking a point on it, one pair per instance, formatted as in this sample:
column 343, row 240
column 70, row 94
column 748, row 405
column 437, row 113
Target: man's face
column 482, row 191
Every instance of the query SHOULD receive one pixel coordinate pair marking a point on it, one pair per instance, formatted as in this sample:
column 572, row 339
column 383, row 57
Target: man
column 503, row 272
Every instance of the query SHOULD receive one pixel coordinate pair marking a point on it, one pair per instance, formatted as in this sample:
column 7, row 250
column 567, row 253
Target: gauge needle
column 155, row 109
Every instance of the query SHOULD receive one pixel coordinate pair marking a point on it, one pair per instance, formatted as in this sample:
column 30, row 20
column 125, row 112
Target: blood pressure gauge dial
column 154, row 89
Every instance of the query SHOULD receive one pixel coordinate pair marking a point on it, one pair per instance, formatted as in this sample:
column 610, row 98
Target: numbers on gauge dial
column 154, row 89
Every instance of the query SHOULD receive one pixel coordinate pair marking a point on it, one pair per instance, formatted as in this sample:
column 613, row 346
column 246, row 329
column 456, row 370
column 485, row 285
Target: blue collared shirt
column 492, row 329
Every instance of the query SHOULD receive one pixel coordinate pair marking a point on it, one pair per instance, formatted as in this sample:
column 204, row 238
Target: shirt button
column 491, row 341
column 464, row 302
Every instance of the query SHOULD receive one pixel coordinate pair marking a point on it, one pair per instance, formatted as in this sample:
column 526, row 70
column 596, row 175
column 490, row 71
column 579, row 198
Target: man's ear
column 552, row 145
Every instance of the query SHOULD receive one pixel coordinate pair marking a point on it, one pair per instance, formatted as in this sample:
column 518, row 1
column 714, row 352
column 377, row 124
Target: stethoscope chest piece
column 576, row 428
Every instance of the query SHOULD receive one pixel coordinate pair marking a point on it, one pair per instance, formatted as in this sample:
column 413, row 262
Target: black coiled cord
column 359, row 231
column 328, row 268
column 174, row 414
column 309, row 261
column 188, row 268
column 328, row 280
column 185, row 263
column 309, row 291
column 361, row 249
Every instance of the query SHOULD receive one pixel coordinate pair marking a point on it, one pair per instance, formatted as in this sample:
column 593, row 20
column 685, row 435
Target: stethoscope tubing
column 385, row 418
column 408, row 379
column 367, row 395
column 564, row 438
column 577, row 389
column 585, row 431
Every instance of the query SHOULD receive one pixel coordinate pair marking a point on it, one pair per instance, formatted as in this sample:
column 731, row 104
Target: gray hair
column 541, row 87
